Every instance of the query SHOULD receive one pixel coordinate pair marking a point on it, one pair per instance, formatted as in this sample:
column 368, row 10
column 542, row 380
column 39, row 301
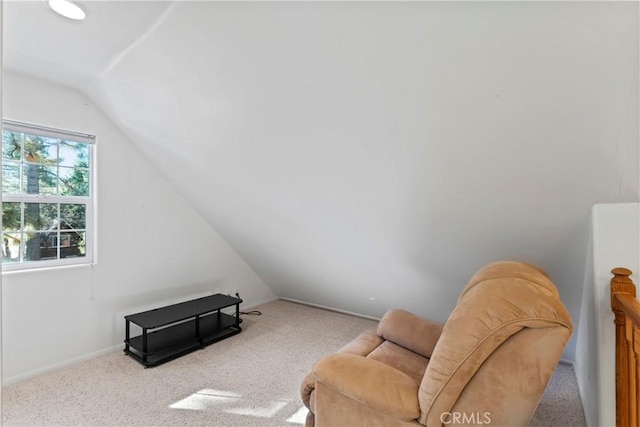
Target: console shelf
column 172, row 331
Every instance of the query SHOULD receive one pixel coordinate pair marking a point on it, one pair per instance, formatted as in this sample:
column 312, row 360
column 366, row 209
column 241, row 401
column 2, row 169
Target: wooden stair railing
column 626, row 308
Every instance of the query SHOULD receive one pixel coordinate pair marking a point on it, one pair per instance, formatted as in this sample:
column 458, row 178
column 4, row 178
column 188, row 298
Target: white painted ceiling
column 367, row 155
column 74, row 53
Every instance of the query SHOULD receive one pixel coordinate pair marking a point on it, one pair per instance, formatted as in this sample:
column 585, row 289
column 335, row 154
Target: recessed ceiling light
column 67, row 9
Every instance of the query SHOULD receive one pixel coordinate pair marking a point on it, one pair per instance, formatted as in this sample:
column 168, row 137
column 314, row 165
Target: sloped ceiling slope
column 374, row 155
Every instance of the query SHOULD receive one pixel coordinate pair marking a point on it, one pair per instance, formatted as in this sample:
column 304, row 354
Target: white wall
column 615, row 243
column 387, row 150
column 353, row 150
column 153, row 248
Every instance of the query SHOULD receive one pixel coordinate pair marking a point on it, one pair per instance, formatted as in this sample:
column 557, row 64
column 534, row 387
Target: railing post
column 626, row 404
column 636, row 353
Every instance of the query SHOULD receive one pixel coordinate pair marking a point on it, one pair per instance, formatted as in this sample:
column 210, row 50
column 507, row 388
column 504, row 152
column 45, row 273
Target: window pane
column 72, row 244
column 39, row 179
column 11, row 247
column 11, row 145
column 74, row 182
column 50, row 151
column 73, row 216
column 10, row 177
column 74, row 154
column 41, row 216
column 38, row 162
column 40, row 149
column 11, row 216
column 39, row 246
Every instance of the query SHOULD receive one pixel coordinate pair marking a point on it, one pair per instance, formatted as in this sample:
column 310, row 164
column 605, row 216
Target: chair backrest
column 498, row 349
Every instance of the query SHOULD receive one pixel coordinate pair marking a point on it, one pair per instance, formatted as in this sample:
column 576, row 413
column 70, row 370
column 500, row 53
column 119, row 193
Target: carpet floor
column 250, row 379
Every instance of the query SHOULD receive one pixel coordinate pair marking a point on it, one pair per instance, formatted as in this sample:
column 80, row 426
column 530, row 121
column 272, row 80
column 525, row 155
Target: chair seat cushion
column 371, row 383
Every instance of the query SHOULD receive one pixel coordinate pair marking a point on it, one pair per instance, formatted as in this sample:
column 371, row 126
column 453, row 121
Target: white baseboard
column 256, row 304
column 59, row 365
column 119, row 347
column 92, row 355
column 324, row 307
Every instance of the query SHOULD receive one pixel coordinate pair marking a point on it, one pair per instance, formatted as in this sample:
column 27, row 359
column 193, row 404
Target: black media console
column 172, row 331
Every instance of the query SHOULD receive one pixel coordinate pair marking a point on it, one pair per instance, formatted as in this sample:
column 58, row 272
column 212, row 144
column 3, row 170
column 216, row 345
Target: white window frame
column 88, row 201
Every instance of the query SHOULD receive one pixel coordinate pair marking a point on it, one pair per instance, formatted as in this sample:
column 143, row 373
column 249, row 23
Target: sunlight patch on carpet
column 299, row 417
column 205, row 399
column 234, row 403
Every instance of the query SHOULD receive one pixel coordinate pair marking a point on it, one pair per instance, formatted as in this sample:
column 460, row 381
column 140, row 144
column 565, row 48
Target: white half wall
column 152, row 248
column 615, row 243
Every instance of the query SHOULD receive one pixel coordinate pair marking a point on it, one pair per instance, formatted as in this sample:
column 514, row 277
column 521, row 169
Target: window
column 47, row 197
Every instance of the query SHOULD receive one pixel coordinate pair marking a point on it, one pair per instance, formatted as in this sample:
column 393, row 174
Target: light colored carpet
column 250, row 379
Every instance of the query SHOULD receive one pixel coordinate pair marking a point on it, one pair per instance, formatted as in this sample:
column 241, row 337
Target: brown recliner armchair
column 489, row 364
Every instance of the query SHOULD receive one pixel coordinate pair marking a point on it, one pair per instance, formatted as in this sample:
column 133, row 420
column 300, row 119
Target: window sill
column 45, row 268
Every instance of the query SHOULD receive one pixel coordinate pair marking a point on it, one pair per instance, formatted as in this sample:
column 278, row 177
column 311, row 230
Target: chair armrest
column 410, row 331
column 306, row 388
column 370, row 383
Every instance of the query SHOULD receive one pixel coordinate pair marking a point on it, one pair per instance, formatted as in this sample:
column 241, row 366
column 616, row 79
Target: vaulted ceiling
column 367, row 155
